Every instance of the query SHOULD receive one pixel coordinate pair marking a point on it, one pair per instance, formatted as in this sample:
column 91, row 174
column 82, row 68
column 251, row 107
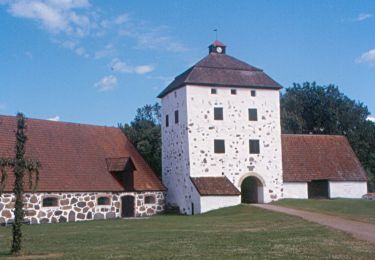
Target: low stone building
column 87, row 172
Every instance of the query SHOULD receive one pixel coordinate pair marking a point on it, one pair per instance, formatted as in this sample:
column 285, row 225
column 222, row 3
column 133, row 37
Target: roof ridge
column 315, row 135
column 59, row 122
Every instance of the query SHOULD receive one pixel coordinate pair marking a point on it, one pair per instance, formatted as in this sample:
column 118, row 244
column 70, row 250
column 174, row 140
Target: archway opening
column 251, row 190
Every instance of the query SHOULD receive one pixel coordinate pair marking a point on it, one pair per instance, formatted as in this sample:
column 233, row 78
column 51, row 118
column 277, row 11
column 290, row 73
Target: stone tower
column 221, row 137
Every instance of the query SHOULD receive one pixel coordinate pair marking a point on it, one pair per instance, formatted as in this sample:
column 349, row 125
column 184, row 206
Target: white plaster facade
column 347, row 189
column 295, row 190
column 188, row 146
column 208, row 203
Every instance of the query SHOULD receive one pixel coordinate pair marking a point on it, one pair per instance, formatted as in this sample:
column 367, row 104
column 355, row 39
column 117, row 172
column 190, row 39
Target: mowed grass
column 231, row 233
column 354, row 209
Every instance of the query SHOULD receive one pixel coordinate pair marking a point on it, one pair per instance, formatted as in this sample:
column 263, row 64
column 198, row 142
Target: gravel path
column 360, row 230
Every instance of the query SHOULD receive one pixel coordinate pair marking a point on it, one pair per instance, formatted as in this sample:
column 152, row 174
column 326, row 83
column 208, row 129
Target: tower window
column 167, row 120
column 253, row 114
column 219, row 146
column 254, row 146
column 213, row 91
column 233, row 91
column 253, row 93
column 218, row 113
column 176, row 117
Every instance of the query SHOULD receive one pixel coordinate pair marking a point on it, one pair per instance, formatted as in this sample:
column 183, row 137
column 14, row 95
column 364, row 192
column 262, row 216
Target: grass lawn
column 355, row 209
column 236, row 232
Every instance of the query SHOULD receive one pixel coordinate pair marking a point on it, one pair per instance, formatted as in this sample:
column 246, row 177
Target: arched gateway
column 251, row 190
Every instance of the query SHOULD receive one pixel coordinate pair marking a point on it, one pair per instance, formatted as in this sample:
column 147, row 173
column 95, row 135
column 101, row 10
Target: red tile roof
column 73, row 156
column 215, row 186
column 316, row 157
column 222, row 70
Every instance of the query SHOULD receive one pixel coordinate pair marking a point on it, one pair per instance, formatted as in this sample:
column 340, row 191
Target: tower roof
column 220, row 69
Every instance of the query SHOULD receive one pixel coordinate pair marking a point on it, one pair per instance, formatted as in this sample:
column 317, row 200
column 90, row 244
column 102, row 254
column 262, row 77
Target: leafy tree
column 145, row 134
column 310, row 108
column 20, row 166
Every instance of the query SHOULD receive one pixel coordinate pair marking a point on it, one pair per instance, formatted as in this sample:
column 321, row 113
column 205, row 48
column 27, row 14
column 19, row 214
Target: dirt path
column 359, row 230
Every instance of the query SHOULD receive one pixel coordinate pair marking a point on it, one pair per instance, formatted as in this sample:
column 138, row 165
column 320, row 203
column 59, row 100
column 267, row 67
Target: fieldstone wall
column 78, row 206
column 188, row 147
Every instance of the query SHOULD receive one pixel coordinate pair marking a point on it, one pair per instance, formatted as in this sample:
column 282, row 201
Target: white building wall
column 347, row 189
column 208, row 203
column 175, row 151
column 236, row 130
column 295, row 190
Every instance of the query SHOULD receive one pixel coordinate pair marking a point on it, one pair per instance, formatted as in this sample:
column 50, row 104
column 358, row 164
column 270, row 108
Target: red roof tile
column 73, row 156
column 212, row 186
column 317, row 157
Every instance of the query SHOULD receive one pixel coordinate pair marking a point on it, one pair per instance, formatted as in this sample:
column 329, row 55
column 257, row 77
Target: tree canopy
column 310, row 108
column 145, row 134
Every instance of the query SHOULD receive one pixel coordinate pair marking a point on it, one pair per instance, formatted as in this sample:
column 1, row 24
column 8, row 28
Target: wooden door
column 127, row 206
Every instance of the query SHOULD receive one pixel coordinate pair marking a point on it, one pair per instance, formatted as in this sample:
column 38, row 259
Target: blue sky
column 97, row 61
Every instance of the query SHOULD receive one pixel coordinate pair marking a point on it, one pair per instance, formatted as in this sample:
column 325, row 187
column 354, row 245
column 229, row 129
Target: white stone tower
column 221, row 136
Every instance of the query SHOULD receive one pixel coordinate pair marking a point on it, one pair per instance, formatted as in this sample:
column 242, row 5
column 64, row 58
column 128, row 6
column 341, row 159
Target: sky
column 96, row 62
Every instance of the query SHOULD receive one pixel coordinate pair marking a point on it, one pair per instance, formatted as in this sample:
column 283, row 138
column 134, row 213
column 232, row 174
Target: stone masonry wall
column 236, row 129
column 78, row 206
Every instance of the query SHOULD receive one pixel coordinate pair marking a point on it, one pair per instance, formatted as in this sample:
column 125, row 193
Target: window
column 254, row 146
column 213, row 91
column 149, row 199
column 253, row 114
column 167, row 120
column 176, row 117
column 218, row 113
column 253, row 93
column 104, row 201
column 50, row 202
column 233, row 91
column 219, row 146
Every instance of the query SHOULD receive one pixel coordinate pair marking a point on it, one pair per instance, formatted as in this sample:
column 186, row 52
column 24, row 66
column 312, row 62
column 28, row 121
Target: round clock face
column 219, row 49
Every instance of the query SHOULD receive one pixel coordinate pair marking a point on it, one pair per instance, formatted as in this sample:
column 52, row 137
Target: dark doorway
column 318, row 189
column 127, row 206
column 250, row 190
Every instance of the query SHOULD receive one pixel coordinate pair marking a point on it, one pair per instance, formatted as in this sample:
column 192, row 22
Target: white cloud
column 148, row 37
column 143, row 69
column 55, row 118
column 120, row 66
column 371, row 118
column 367, row 57
column 56, row 16
column 121, row 19
column 363, row 16
column 106, row 83
column 107, row 51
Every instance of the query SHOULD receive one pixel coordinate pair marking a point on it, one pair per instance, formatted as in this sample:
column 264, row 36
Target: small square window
column 176, row 117
column 213, row 91
column 167, row 120
column 253, row 93
column 50, row 202
column 233, row 91
column 219, row 146
column 254, row 146
column 149, row 199
column 253, row 114
column 218, row 113
column 104, row 201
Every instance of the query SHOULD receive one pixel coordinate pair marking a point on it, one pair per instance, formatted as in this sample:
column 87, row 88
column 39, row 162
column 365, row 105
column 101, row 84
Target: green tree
column 145, row 134
column 20, row 166
column 310, row 108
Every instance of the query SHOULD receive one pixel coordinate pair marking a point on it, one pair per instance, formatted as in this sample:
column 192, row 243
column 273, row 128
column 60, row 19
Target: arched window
column 104, row 201
column 50, row 202
column 149, row 199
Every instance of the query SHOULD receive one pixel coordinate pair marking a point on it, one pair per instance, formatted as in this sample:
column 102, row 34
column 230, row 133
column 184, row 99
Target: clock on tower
column 217, row 47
